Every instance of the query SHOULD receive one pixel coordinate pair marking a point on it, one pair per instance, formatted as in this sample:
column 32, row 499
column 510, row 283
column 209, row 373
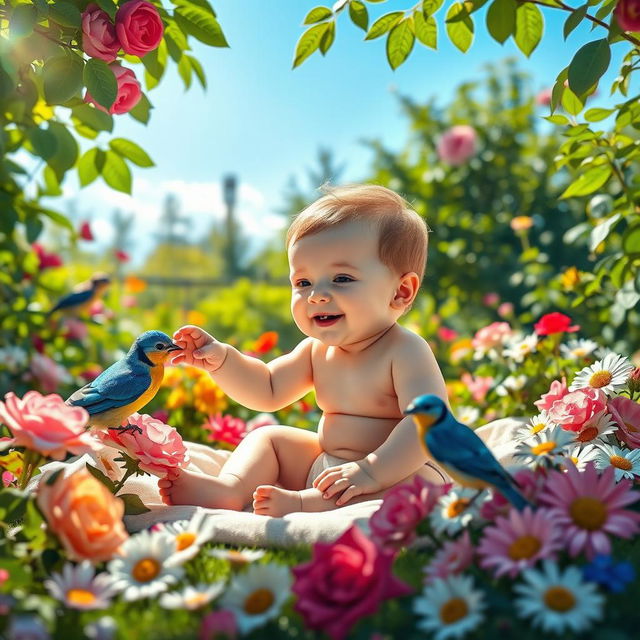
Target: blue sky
column 264, row 121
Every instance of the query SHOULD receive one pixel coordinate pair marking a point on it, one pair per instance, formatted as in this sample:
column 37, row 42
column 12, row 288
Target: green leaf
column 627, row 297
column 155, row 62
column 501, row 19
column 51, row 183
column 384, row 24
column 201, row 25
column 102, row 477
column 199, row 71
column 184, row 69
column 588, row 182
column 62, row 78
column 309, row 41
column 318, row 14
column 12, row 505
column 65, row 13
column 23, row 20
column 101, row 82
column 597, row 114
column 602, row 230
column 109, row 6
column 93, row 118
column 44, row 143
column 426, row 29
column 631, row 240
column 131, row 151
column 55, row 216
column 327, row 39
column 116, row 173
column 588, row 65
column 133, row 505
column 429, row 7
column 557, row 119
column 571, row 102
column 34, row 227
column 574, row 19
column 87, row 169
column 359, row 14
column 67, row 150
column 400, row 43
column 460, row 31
column 176, row 41
column 142, row 111
column 529, row 28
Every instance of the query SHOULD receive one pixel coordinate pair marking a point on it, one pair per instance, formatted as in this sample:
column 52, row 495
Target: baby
column 357, row 257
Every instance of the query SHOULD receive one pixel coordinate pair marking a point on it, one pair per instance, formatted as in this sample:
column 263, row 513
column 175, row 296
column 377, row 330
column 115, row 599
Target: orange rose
column 84, row 515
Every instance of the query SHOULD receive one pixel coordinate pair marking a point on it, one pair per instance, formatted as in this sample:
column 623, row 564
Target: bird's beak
column 174, row 347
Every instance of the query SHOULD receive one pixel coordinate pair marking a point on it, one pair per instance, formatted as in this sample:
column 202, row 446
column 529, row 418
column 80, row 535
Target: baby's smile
column 327, row 320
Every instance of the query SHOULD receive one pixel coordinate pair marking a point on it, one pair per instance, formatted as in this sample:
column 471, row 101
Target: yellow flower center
column 80, row 597
column 524, row 547
column 453, row 610
column 258, row 601
column 457, row 507
column 146, row 569
column 588, row 513
column 579, row 352
column 587, row 435
column 600, row 379
column 559, row 599
column 620, row 463
column 184, row 540
column 537, row 427
column 196, row 601
column 543, row 448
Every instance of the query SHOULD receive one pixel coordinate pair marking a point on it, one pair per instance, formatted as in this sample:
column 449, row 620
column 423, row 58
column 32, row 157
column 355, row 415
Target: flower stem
column 124, row 478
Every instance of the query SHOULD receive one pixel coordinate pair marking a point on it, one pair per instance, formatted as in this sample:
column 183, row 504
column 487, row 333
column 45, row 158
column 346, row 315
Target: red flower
column 85, row 231
column 121, row 256
column 554, row 323
column 265, row 342
column 344, row 582
column 628, row 15
column 46, row 259
column 226, row 428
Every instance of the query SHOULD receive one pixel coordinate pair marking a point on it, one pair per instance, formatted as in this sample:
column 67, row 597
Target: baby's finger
column 328, row 480
column 351, row 492
column 178, row 358
column 337, row 487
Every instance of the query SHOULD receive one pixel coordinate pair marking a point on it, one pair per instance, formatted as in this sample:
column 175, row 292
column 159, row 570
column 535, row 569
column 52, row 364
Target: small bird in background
column 460, row 451
column 83, row 295
column 127, row 385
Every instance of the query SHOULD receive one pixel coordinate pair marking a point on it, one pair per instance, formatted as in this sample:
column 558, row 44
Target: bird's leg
column 131, row 428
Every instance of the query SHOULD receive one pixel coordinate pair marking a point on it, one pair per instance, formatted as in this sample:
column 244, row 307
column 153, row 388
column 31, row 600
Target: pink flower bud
column 99, row 39
column 457, row 145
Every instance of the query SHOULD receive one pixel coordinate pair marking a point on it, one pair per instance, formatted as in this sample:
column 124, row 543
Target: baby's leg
column 266, row 456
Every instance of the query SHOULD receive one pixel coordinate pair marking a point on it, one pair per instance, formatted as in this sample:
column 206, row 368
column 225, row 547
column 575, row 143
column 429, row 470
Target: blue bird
column 460, row 452
column 127, row 385
column 81, row 298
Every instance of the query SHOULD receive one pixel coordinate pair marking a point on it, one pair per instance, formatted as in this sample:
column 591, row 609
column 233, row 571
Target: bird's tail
column 515, row 497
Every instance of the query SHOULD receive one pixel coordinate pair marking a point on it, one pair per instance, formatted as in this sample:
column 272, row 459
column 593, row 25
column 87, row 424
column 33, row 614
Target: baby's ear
column 406, row 291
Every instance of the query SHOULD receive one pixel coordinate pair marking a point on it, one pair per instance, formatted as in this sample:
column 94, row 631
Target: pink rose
column 628, row 14
column 575, row 409
column 544, row 98
column 139, row 27
column 626, row 414
column 49, row 374
column 129, row 91
column 47, row 425
column 344, row 581
column 557, row 391
column 75, row 329
column 457, row 145
column 157, row 446
column 403, row 508
column 226, row 428
column 99, row 39
column 491, row 336
column 490, row 299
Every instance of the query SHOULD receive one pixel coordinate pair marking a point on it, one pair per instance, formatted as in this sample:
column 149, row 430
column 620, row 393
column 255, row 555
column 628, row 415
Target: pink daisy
column 626, row 414
column 453, row 558
column 518, row 541
column 588, row 507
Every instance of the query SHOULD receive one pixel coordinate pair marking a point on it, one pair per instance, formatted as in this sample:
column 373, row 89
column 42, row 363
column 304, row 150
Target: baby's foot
column 195, row 488
column 273, row 501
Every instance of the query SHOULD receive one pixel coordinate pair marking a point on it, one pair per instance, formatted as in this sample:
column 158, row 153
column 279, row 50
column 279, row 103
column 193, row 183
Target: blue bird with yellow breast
column 127, row 385
column 83, row 295
column 460, row 451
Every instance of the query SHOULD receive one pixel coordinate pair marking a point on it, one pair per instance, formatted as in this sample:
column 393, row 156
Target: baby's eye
column 343, row 279
column 302, row 283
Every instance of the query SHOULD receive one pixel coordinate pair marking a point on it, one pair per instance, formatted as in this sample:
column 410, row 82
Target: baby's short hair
column 403, row 235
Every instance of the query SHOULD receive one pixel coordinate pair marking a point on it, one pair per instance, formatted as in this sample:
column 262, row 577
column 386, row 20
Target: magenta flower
column 344, row 582
column 518, row 541
column 557, row 391
column 47, row 425
column 226, row 428
column 453, row 558
column 589, row 508
column 626, row 414
column 403, row 508
column 478, row 386
column 217, row 625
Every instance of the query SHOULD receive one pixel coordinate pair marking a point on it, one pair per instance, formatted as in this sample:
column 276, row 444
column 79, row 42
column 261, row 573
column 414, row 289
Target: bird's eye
column 159, row 346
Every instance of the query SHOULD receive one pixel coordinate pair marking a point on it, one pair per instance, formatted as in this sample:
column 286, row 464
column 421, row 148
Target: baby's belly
column 352, row 437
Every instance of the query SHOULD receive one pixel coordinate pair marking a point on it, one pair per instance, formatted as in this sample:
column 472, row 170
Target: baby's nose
column 319, row 296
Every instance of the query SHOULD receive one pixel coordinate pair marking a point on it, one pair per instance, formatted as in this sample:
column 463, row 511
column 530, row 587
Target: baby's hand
column 199, row 348
column 349, row 478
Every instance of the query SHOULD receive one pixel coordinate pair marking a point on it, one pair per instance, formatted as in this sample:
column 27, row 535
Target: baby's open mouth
column 327, row 320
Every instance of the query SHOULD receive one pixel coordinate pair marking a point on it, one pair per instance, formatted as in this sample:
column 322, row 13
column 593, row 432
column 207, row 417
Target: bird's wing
column 458, row 446
column 118, row 386
column 73, row 299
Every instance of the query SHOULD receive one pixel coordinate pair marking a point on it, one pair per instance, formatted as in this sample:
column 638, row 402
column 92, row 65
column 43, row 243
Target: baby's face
column 341, row 292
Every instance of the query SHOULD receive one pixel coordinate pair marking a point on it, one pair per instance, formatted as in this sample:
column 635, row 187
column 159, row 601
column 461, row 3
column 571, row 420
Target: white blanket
column 248, row 529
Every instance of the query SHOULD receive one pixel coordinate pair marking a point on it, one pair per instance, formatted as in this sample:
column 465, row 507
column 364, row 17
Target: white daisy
column 257, row 595
column 511, row 383
column 580, row 455
column 454, row 510
column 626, row 462
column 191, row 598
column 520, row 346
column 189, row 535
column 144, row 570
column 451, row 607
column 467, row 415
column 545, row 447
column 539, row 423
column 609, row 375
column 558, row 600
column 78, row 587
column 237, row 557
column 603, row 352
column 596, row 428
column 576, row 349
column 104, row 628
column 13, row 358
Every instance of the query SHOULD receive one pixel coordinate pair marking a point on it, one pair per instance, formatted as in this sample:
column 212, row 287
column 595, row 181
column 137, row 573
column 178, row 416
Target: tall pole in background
column 229, row 191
